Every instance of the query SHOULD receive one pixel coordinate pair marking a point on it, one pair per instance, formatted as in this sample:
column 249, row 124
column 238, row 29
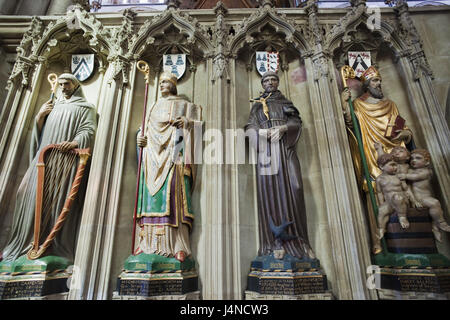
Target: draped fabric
column 164, row 211
column 373, row 119
column 280, row 187
column 73, row 119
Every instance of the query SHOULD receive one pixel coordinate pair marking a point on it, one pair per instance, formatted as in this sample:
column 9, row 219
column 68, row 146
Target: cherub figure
column 402, row 156
column 420, row 175
column 390, row 193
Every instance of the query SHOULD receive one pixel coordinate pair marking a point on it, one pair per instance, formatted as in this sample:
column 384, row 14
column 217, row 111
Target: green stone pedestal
column 26, row 279
column 412, row 283
column 151, row 275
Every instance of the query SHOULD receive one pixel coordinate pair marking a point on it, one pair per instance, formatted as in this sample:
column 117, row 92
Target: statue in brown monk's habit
column 274, row 127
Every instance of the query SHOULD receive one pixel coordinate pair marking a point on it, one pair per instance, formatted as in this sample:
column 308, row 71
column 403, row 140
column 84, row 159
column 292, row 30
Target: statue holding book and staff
column 370, row 119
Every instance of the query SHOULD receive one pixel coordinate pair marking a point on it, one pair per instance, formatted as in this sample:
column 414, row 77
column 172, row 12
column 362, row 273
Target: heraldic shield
column 359, row 61
column 175, row 63
column 82, row 66
column 267, row 61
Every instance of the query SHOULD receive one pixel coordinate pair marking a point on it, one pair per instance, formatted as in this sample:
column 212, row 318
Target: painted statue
column 70, row 122
column 375, row 115
column 392, row 197
column 274, row 127
column 164, row 214
column 419, row 177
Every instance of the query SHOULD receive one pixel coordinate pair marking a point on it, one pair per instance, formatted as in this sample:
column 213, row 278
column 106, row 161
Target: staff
column 53, row 79
column 347, row 72
column 145, row 69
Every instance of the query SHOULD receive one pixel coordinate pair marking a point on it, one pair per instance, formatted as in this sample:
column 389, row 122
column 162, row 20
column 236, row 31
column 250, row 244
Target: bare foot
column 279, row 254
column 180, row 256
column 376, row 249
column 437, row 233
column 443, row 225
column 404, row 222
column 380, row 233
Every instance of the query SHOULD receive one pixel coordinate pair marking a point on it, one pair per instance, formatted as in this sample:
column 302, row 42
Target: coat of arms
column 82, row 66
column 175, row 63
column 266, row 61
column 359, row 61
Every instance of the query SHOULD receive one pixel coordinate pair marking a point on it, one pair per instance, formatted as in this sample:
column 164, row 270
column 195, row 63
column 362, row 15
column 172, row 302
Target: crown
column 370, row 73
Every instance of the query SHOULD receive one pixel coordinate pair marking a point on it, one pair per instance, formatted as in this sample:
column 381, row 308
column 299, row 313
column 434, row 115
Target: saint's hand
column 345, row 95
column 141, row 141
column 276, row 133
column 68, row 145
column 45, row 109
column 180, row 122
column 417, row 204
column 403, row 135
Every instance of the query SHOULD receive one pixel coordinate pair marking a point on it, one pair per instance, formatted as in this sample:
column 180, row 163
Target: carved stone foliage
column 31, row 38
column 340, row 30
column 267, row 30
column 219, row 38
column 407, row 32
column 172, row 31
column 360, row 39
column 25, row 59
column 77, row 20
column 121, row 41
column 77, row 32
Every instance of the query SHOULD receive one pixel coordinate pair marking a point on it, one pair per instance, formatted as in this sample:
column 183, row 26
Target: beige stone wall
column 434, row 29
column 235, row 234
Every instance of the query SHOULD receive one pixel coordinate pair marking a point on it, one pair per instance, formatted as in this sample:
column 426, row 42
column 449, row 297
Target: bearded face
column 67, row 87
column 374, row 88
column 270, row 84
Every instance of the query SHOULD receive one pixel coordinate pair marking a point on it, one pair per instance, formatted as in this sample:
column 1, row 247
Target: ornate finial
column 266, row 4
column 220, row 8
column 401, row 6
column 84, row 4
column 173, row 4
column 311, row 6
column 357, row 3
column 129, row 14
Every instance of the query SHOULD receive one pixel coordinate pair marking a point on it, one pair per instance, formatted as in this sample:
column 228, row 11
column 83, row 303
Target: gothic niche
column 64, row 45
column 267, row 38
column 171, row 41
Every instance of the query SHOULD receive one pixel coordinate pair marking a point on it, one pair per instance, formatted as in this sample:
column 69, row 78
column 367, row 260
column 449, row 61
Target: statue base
column 288, row 263
column 34, row 279
column 290, row 276
column 188, row 296
column 152, row 276
column 250, row 295
column 414, row 247
column 417, row 239
column 410, row 260
column 411, row 283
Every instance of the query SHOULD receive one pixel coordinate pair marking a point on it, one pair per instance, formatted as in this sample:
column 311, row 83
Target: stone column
column 349, row 234
column 97, row 229
column 17, row 113
column 435, row 130
column 221, row 276
column 344, row 209
column 425, row 104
